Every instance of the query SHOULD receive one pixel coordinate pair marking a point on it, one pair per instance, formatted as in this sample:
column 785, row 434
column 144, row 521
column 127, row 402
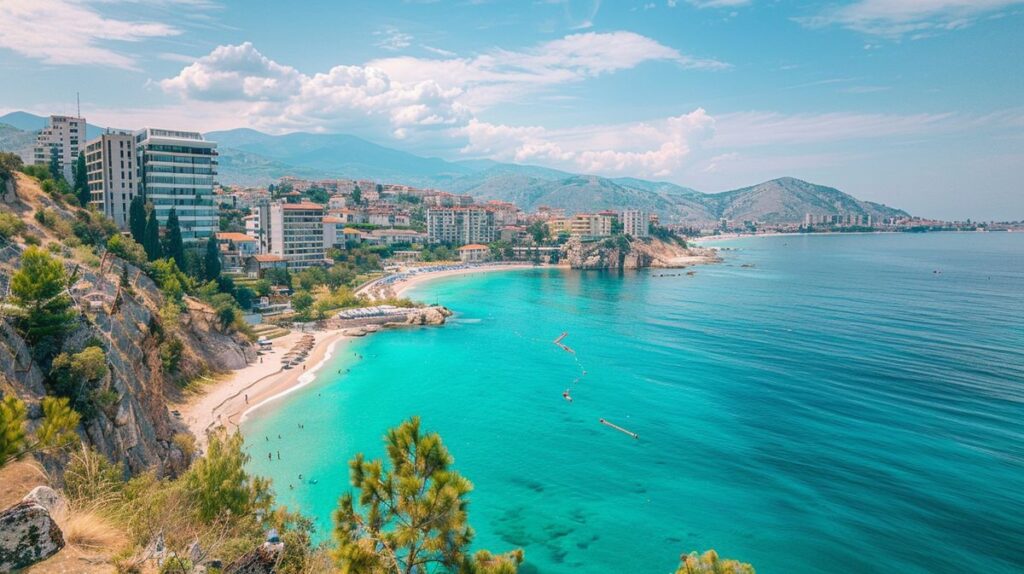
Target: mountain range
column 250, row 157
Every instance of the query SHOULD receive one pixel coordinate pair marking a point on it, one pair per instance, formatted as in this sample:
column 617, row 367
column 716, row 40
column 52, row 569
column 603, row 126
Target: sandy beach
column 401, row 287
column 233, row 396
column 228, row 401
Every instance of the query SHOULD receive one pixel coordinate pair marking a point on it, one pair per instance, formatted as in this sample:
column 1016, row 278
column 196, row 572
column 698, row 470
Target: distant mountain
column 250, row 157
column 13, row 139
column 338, row 154
column 787, row 200
column 27, row 122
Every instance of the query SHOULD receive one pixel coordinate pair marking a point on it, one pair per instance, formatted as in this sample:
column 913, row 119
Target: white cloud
column 392, row 39
column 279, row 97
column 896, row 18
column 653, row 149
column 68, row 32
column 408, row 94
column 506, row 75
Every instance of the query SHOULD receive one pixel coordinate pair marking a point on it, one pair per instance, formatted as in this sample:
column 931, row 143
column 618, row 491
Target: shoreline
column 733, row 236
column 397, row 288
column 238, row 394
column 230, row 400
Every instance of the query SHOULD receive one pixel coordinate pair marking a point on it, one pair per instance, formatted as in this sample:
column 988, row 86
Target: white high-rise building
column 112, row 174
column 177, row 169
column 296, row 232
column 62, row 137
column 461, row 225
column 635, row 223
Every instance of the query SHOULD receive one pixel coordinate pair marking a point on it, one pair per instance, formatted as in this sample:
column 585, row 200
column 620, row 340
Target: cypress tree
column 175, row 247
column 151, row 238
column 81, row 184
column 55, row 171
column 137, row 219
column 211, row 262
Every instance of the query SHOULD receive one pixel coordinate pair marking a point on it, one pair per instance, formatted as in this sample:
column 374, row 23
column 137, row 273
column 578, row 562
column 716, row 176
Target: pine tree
column 211, row 261
column 38, row 289
column 175, row 247
column 151, row 238
column 413, row 515
column 357, row 195
column 137, row 219
column 56, row 431
column 81, row 183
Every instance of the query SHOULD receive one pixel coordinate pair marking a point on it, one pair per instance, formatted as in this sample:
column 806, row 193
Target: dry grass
column 18, row 479
column 90, row 534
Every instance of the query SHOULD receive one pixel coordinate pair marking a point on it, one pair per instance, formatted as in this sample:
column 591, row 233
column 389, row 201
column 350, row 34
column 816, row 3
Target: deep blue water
column 837, row 407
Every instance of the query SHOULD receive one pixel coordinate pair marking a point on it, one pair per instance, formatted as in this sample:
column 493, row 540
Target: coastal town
column 485, row 287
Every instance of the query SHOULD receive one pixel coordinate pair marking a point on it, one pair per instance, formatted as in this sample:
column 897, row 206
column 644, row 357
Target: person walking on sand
column 247, row 398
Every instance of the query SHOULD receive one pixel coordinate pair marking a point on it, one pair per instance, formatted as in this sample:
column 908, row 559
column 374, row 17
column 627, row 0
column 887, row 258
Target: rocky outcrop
column 261, row 560
column 134, row 426
column 435, row 315
column 622, row 253
column 28, row 534
column 48, row 498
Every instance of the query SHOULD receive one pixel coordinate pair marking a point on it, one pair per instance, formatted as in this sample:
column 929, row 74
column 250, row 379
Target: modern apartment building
column 111, row 169
column 177, row 169
column 461, row 225
column 296, row 232
column 592, row 225
column 63, row 137
column 635, row 223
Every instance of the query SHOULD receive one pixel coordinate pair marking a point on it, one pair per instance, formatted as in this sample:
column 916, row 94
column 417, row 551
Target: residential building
column 460, row 225
column 558, row 226
column 111, row 169
column 474, row 253
column 387, row 218
column 257, row 265
column 635, row 223
column 177, row 169
column 334, row 232
column 395, row 236
column 592, row 225
column 235, row 248
column 296, row 232
column 63, row 137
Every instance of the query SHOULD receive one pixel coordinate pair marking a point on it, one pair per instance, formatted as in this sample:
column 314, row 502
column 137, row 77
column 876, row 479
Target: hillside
column 249, row 157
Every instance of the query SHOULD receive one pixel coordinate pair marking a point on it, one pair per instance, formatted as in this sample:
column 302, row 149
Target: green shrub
column 10, row 226
column 126, row 248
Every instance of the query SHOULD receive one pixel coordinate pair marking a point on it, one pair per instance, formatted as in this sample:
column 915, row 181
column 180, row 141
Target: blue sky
column 914, row 103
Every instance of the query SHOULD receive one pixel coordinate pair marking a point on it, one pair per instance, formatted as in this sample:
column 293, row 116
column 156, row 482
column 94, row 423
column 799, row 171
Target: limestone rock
column 28, row 534
column 48, row 498
column 261, row 560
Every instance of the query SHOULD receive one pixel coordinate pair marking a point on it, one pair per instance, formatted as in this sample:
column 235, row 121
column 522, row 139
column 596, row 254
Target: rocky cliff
column 134, row 425
column 623, row 253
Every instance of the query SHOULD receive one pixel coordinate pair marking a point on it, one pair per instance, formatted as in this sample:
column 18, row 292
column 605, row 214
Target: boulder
column 48, row 498
column 28, row 534
column 261, row 560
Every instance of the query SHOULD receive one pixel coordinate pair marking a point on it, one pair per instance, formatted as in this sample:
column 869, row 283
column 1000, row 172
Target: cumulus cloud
column 281, row 97
column 504, row 75
column 652, row 149
column 896, row 18
column 67, row 32
column 410, row 94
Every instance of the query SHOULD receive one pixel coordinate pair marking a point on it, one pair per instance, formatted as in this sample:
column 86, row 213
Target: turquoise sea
column 850, row 403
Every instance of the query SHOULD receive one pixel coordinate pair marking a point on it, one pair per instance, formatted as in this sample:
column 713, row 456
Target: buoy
column 620, row 429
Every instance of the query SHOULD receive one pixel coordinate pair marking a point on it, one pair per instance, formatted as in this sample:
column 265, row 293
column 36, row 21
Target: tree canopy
column 137, row 219
column 81, row 183
column 175, row 246
column 56, row 431
column 151, row 238
column 412, row 517
column 38, row 288
column 211, row 260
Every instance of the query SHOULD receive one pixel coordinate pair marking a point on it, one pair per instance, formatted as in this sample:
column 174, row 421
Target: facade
column 296, row 232
column 461, row 225
column 334, row 232
column 63, row 137
column 177, row 169
column 635, row 223
column 558, row 226
column 111, row 167
column 235, row 248
column 592, row 225
column 257, row 265
column 474, row 253
column 396, row 236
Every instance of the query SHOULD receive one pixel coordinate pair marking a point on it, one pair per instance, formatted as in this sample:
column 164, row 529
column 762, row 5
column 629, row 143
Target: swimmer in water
column 566, row 396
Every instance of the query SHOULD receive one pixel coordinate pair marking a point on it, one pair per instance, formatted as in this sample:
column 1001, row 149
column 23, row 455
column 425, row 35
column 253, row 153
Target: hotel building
column 461, row 225
column 635, row 223
column 296, row 232
column 177, row 169
column 111, row 167
column 62, row 137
